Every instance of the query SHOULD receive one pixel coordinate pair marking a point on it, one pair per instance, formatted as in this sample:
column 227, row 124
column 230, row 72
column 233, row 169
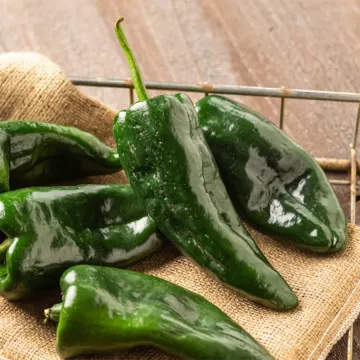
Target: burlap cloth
column 33, row 88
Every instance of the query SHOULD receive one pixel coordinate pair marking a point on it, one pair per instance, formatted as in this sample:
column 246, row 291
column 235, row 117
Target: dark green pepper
column 272, row 181
column 35, row 153
column 106, row 310
column 175, row 177
column 50, row 229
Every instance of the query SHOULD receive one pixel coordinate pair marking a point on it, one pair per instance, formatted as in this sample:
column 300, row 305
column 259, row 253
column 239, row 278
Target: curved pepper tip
column 283, row 299
column 331, row 242
column 338, row 240
column 288, row 300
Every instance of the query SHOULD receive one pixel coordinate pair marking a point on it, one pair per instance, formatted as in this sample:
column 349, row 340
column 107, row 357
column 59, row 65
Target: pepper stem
column 4, row 247
column 53, row 313
column 133, row 65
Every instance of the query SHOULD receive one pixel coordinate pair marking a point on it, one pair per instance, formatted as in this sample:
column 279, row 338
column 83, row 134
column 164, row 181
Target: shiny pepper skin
column 273, row 182
column 107, row 310
column 36, row 153
column 49, row 229
column 174, row 175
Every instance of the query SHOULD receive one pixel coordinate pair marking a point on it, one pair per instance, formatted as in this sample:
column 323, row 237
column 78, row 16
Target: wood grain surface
column 312, row 44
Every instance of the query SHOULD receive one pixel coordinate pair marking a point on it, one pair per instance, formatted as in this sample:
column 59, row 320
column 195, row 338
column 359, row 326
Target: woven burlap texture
column 33, row 88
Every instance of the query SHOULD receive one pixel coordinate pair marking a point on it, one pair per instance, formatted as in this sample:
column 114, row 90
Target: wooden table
column 310, row 44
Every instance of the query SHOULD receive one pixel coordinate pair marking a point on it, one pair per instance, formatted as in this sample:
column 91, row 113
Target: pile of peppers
column 195, row 172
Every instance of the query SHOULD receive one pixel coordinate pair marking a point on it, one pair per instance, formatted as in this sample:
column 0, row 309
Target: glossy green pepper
column 272, row 181
column 175, row 177
column 35, row 153
column 52, row 228
column 106, row 310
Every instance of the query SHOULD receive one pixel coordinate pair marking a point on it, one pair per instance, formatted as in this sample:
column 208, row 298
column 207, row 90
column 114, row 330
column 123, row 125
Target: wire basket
column 330, row 164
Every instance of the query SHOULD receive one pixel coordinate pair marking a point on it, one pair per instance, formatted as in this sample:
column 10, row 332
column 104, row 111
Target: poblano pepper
column 106, row 310
column 272, row 181
column 52, row 228
column 175, row 177
column 35, row 153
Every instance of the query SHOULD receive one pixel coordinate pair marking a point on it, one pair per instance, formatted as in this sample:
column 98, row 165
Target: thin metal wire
column 350, row 347
column 353, row 189
column 337, row 165
column 339, row 182
column 131, row 95
column 356, row 129
column 224, row 89
column 283, row 93
column 353, row 175
column 282, row 109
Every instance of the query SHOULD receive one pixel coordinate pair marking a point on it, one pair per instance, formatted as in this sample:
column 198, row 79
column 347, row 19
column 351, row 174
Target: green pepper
column 106, row 310
column 175, row 177
column 273, row 182
column 34, row 153
column 52, row 228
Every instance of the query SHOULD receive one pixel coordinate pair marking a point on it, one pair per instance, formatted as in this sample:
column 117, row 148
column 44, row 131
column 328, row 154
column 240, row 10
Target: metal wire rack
column 330, row 164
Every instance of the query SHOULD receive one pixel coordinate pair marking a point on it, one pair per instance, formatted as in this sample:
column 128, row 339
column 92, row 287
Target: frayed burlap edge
column 328, row 340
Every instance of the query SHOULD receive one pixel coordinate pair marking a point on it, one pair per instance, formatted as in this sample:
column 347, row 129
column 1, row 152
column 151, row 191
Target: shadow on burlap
column 33, row 88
